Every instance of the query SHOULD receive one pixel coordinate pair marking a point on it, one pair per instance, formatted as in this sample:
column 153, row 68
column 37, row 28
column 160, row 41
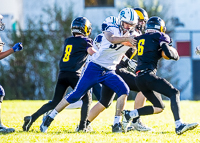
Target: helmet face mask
column 155, row 23
column 2, row 25
column 81, row 25
column 128, row 16
column 126, row 26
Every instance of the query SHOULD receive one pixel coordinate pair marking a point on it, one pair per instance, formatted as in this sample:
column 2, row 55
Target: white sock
column 134, row 113
column 178, row 123
column 53, row 113
column 117, row 119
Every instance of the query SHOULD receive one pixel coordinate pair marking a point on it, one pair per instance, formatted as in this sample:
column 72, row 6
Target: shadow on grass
column 93, row 132
column 65, row 131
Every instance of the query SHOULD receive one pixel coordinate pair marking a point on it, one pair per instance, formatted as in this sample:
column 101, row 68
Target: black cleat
column 45, row 124
column 4, row 129
column 27, row 123
column 87, row 129
column 185, row 127
column 117, row 128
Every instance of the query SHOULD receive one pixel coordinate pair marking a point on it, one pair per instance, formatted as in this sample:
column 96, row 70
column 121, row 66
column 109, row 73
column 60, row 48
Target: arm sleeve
column 89, row 43
column 169, row 53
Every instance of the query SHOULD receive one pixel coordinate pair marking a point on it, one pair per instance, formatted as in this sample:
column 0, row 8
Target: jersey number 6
column 68, row 50
column 141, row 47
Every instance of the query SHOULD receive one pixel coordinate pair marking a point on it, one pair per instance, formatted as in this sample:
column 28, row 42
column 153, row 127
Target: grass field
column 62, row 129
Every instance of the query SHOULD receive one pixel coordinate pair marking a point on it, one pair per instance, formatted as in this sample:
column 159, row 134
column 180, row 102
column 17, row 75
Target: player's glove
column 197, row 50
column 17, row 47
column 132, row 64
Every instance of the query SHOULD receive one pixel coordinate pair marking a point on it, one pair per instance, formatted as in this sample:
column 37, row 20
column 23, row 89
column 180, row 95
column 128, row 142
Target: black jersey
column 74, row 54
column 149, row 50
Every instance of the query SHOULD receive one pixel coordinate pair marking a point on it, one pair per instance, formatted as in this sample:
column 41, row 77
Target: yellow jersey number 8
column 68, row 50
column 141, row 47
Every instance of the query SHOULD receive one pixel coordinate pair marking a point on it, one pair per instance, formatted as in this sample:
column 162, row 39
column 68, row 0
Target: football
column 171, row 49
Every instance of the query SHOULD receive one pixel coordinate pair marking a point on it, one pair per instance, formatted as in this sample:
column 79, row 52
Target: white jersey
column 109, row 55
column 96, row 45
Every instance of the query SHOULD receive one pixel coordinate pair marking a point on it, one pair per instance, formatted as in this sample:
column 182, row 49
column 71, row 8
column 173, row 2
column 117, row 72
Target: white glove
column 132, row 64
column 197, row 50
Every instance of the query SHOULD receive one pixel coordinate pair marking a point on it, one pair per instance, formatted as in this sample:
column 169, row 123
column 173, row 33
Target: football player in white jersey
column 15, row 48
column 102, row 67
column 129, row 78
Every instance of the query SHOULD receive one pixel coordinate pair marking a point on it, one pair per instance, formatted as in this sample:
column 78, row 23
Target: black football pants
column 148, row 83
column 65, row 80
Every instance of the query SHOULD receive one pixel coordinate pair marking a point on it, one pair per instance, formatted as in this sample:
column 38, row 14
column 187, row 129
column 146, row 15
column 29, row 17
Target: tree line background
column 31, row 74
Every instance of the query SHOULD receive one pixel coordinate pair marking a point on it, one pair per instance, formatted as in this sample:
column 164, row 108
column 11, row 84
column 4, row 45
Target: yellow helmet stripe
column 139, row 13
column 86, row 28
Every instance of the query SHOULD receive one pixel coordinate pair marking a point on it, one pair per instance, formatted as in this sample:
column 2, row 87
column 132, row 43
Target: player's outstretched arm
column 115, row 40
column 15, row 48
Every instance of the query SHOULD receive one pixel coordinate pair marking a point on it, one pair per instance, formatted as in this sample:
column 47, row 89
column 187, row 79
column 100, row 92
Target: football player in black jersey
column 16, row 47
column 76, row 50
column 150, row 45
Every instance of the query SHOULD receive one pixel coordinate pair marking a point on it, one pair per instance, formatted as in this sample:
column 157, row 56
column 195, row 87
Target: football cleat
column 185, row 127
column 45, row 115
column 4, row 129
column 117, row 128
column 45, row 124
column 27, row 123
column 87, row 129
column 139, row 126
column 126, row 119
column 130, row 128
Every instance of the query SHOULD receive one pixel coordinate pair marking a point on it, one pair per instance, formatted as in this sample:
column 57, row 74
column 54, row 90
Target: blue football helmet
column 107, row 21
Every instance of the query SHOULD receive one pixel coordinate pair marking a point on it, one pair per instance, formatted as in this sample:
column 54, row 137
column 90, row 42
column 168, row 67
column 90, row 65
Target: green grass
column 62, row 129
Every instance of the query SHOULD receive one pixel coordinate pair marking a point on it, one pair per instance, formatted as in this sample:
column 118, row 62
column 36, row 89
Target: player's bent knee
column 105, row 104
column 158, row 110
column 175, row 96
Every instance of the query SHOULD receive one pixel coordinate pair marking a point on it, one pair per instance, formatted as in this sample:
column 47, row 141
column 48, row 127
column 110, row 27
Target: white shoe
column 45, row 124
column 126, row 119
column 139, row 126
column 45, row 115
column 185, row 127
